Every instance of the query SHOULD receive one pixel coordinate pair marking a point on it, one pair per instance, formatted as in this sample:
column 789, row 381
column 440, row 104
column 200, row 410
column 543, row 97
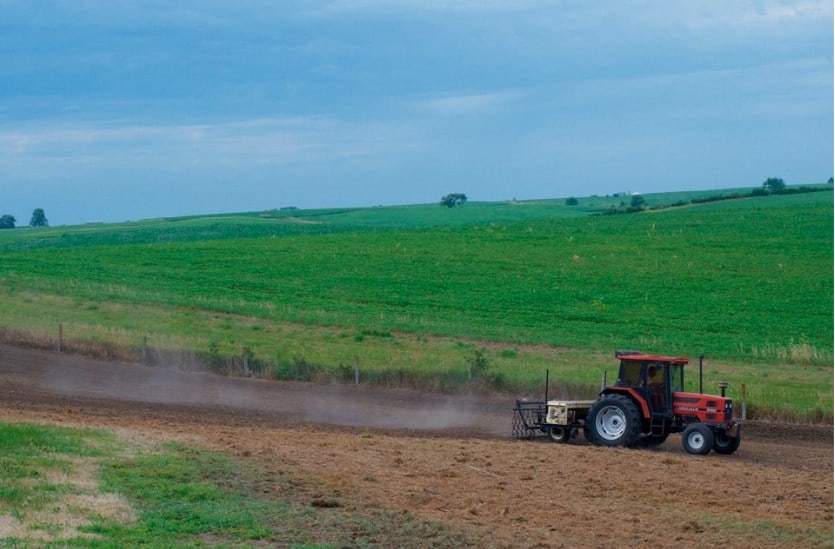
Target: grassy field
column 64, row 487
column 429, row 295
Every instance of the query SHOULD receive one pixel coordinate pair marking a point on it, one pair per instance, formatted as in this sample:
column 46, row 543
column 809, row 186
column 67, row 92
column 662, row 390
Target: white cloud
column 699, row 15
column 467, row 104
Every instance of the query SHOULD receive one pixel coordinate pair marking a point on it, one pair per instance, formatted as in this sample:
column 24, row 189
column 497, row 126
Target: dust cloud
column 334, row 404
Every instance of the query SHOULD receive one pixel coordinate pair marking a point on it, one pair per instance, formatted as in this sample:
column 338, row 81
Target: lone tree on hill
column 571, row 201
column 774, row 185
column 7, row 221
column 38, row 218
column 454, row 199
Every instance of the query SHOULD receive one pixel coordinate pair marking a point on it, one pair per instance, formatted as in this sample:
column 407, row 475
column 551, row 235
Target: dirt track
column 450, row 458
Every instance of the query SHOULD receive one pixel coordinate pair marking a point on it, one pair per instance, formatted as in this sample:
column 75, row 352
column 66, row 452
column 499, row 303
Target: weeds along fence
column 153, row 351
column 64, row 341
column 160, row 351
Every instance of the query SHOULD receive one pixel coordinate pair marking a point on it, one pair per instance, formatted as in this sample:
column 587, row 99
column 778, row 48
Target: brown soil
column 450, row 458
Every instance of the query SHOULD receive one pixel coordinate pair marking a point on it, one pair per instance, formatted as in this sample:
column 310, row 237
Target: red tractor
column 648, row 402
column 645, row 405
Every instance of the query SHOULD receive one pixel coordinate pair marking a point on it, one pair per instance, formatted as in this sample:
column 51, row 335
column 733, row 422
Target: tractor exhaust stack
column 701, row 373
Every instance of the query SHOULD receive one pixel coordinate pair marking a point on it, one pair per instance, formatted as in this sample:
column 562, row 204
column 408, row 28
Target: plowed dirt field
column 449, row 459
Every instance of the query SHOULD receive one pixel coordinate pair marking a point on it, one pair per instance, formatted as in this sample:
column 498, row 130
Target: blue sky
column 114, row 111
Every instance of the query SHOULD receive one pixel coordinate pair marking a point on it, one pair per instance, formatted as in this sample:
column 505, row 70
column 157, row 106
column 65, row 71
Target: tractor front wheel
column 724, row 444
column 697, row 439
column 614, row 420
column 559, row 433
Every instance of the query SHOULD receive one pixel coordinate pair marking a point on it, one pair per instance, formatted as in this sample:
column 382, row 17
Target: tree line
column 38, row 220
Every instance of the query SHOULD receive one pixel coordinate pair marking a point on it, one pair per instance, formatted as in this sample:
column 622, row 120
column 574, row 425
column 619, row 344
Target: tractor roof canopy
column 639, row 356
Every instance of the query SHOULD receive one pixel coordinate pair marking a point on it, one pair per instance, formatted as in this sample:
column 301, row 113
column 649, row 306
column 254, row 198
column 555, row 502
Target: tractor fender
column 631, row 393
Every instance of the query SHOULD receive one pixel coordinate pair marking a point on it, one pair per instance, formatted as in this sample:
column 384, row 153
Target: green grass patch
column 769, row 531
column 38, row 467
column 176, row 496
column 17, row 441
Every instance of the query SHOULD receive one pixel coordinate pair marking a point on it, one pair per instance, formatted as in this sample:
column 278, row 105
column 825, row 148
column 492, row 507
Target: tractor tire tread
column 632, row 432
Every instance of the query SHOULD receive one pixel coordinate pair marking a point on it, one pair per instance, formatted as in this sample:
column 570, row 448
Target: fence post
column 145, row 349
column 356, row 370
column 60, row 336
column 744, row 397
column 246, row 362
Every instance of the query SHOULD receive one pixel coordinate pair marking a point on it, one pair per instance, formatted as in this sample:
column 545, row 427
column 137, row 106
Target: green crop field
column 424, row 294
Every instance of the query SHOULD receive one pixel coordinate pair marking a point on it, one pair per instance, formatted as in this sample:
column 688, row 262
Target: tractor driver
column 655, row 384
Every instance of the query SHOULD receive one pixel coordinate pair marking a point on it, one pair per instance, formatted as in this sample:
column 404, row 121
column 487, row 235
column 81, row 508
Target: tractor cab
column 654, row 378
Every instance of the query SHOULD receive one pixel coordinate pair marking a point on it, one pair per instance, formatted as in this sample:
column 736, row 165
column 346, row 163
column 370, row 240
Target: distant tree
column 453, row 199
column 831, row 181
column 571, row 201
column 637, row 201
column 38, row 218
column 7, row 222
column 774, row 185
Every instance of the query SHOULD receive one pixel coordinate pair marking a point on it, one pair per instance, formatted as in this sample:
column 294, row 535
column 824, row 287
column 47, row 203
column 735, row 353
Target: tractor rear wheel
column 614, row 420
column 697, row 439
column 724, row 444
column 559, row 433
